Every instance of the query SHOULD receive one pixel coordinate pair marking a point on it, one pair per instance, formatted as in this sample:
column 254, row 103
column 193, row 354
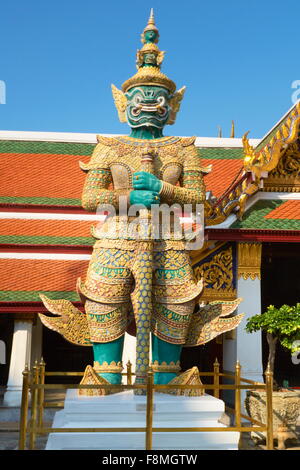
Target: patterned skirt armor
column 113, row 286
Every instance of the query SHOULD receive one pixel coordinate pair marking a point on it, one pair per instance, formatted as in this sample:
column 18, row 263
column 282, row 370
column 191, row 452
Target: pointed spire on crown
column 148, row 60
column 150, row 27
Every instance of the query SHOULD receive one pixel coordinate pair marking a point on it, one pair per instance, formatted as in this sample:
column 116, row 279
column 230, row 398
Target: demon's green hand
column 147, row 198
column 147, row 181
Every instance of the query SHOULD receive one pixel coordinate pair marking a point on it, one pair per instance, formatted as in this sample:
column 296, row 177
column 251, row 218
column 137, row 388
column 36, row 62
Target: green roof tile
column 51, row 201
column 46, row 240
column 220, row 153
column 33, row 296
column 254, row 218
column 64, row 148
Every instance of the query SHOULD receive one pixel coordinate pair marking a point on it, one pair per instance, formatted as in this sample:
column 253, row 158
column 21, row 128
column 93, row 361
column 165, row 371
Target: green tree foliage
column 282, row 323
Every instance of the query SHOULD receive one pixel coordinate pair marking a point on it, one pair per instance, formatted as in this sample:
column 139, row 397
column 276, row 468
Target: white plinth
column 128, row 410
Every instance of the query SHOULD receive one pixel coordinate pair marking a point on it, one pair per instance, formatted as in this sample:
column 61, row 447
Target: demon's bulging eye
column 137, row 99
column 136, row 111
column 161, row 100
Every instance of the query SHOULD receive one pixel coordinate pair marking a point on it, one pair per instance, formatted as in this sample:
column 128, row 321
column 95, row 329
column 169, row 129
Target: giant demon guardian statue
column 142, row 280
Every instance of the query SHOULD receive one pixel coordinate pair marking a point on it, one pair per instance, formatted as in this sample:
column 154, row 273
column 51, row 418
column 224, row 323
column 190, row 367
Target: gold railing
column 34, row 383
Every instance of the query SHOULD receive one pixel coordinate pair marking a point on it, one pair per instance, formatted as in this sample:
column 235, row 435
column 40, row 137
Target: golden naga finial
column 249, row 154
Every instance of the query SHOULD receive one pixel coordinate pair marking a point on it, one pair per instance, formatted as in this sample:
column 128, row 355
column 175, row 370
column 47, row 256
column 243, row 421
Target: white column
column 20, row 356
column 248, row 345
column 129, row 351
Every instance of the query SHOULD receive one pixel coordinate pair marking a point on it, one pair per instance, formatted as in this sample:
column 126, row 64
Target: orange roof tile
column 40, row 275
column 50, row 228
column 41, row 175
column 222, row 174
column 288, row 210
column 59, row 176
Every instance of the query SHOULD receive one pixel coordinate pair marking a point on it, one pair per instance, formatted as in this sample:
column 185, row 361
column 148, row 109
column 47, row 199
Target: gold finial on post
column 149, row 413
column 41, row 393
column 24, row 409
column 238, row 394
column 269, row 393
column 129, row 373
column 34, row 404
column 216, row 363
column 216, row 378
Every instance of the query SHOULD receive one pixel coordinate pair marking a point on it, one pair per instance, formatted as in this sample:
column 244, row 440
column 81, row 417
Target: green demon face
column 147, row 106
column 151, row 36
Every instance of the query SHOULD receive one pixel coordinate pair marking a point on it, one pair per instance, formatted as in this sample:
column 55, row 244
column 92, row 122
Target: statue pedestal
column 128, row 410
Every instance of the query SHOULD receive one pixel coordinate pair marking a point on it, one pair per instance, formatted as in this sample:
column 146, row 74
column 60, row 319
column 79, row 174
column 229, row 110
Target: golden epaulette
column 187, row 141
column 108, row 141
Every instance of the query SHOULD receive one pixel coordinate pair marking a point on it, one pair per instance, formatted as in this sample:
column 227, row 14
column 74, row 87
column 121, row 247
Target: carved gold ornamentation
column 189, row 377
column 175, row 103
column 149, row 76
column 234, row 201
column 120, row 102
column 267, row 158
column 71, row 323
column 112, row 367
column 149, row 48
column 217, row 275
column 91, row 377
column 164, row 367
column 276, row 163
column 209, row 322
column 249, row 260
column 103, row 187
column 286, row 176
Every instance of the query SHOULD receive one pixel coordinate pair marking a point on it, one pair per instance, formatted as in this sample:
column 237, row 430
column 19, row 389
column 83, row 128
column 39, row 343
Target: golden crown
column 150, row 74
column 149, row 59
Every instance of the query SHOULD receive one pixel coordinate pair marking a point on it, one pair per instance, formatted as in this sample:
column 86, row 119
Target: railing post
column 24, row 409
column 149, row 413
column 34, row 402
column 129, row 373
column 269, row 411
column 41, row 393
column 237, row 395
column 216, row 378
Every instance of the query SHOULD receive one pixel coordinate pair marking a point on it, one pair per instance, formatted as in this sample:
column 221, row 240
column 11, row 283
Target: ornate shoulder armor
column 187, row 141
column 100, row 155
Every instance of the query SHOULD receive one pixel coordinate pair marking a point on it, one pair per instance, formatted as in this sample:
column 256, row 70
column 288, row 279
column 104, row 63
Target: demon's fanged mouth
column 147, row 104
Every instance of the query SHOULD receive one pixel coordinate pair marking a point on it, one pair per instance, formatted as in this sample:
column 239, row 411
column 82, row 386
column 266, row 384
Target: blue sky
column 58, row 58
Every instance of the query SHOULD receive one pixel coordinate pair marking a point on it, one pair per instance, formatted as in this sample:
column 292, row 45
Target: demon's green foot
column 165, row 360
column 108, row 360
column 166, row 367
column 107, row 368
